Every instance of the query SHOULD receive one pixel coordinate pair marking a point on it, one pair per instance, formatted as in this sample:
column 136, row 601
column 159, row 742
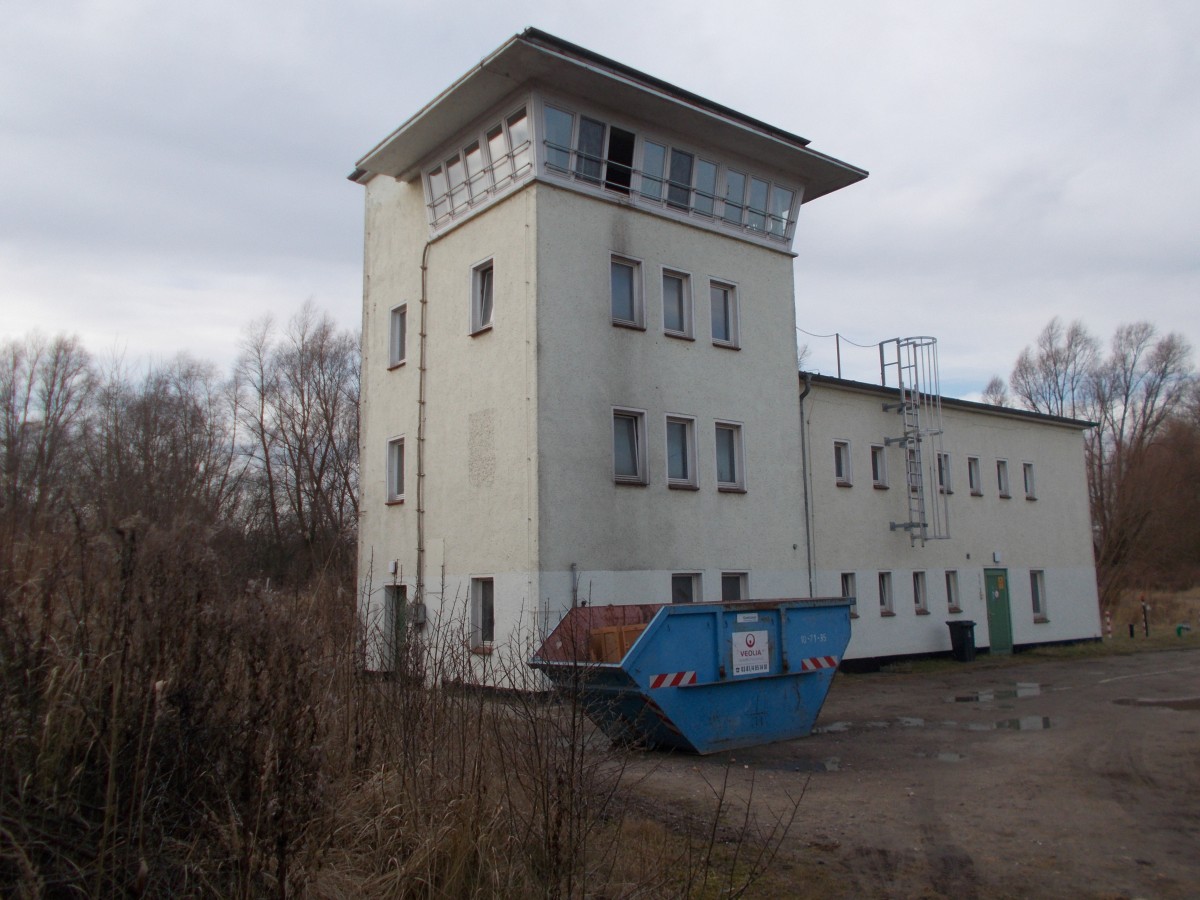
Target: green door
column 995, row 585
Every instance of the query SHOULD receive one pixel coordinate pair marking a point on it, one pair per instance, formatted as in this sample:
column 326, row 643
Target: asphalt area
column 1060, row 778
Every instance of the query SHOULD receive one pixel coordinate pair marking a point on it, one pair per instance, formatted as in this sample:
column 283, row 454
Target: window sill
column 680, row 486
column 1031, row 499
column 679, row 336
column 944, row 491
column 395, row 501
column 881, row 487
column 854, row 615
column 397, row 365
column 484, row 330
column 1040, row 620
column 731, row 489
column 954, row 610
column 845, row 484
column 1006, row 496
column 725, row 345
column 976, row 493
column 482, row 650
column 887, row 614
column 922, row 612
column 632, row 326
column 630, row 482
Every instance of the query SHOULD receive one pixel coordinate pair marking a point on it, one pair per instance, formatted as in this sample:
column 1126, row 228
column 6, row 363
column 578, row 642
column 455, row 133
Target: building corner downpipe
column 808, row 547
column 421, row 369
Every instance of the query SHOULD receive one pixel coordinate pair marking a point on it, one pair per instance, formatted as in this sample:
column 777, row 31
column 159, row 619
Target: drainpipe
column 574, row 585
column 421, row 367
column 808, row 544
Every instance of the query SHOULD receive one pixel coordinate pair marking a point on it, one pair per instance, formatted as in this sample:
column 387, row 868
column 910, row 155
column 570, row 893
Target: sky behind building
column 171, row 172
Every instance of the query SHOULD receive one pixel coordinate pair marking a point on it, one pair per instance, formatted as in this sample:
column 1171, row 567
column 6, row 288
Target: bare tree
column 1132, row 395
column 1053, row 377
column 299, row 409
column 44, row 388
column 163, row 446
column 996, row 392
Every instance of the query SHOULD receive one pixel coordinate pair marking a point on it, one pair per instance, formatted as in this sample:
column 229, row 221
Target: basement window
column 483, row 614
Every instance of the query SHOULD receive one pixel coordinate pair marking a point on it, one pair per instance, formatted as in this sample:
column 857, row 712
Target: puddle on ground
column 1179, row 703
column 1018, row 691
column 1024, row 723
column 945, row 756
column 1027, row 723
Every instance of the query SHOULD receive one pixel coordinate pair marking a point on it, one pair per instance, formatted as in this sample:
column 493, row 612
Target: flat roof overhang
column 536, row 58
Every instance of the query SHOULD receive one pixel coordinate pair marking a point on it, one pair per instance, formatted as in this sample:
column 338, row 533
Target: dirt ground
column 1060, row 778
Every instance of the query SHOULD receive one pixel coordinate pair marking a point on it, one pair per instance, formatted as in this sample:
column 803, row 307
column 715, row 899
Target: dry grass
column 164, row 733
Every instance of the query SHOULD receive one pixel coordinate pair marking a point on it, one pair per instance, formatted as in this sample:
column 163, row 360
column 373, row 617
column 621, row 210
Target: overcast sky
column 171, row 171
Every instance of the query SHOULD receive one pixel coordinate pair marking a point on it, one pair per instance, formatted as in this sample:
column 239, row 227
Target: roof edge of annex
column 536, row 57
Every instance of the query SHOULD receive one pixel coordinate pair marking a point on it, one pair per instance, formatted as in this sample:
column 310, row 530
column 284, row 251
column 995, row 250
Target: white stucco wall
column 1051, row 533
column 480, row 448
column 627, row 540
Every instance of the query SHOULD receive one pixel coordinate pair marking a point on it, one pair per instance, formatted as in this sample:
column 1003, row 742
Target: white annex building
column 579, row 384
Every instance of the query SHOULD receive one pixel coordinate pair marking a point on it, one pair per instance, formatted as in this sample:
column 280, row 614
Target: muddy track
column 1048, row 779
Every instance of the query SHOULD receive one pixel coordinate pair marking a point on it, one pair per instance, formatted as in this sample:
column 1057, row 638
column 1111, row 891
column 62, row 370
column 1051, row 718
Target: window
column 677, row 304
column 885, row 594
column 735, row 193
column 733, row 586
column 588, row 151
column 756, row 205
column 878, row 467
column 626, row 292
column 618, row 174
column 395, row 603
column 706, row 187
column 679, row 187
column 943, row 473
column 629, row 439
column 483, row 613
column 1002, row 478
column 920, row 594
column 398, row 337
column 559, row 125
column 685, row 588
column 654, row 158
column 487, row 164
column 482, row 278
column 395, row 470
column 1037, row 591
column 841, row 463
column 850, row 589
column 681, row 453
column 1027, row 474
column 724, row 314
column 781, row 208
column 974, row 481
column 730, row 469
column 589, row 159
column 952, row 591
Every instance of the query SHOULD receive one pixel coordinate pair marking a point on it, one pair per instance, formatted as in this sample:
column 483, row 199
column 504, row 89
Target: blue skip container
column 701, row 677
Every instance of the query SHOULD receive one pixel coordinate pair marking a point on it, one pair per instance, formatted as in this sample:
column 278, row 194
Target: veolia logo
column 749, row 640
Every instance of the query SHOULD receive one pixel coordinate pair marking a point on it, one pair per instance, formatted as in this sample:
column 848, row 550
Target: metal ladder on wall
column 919, row 406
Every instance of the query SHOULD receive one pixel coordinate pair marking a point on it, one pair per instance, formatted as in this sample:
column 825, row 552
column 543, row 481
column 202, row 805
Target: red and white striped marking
column 672, row 679
column 818, row 662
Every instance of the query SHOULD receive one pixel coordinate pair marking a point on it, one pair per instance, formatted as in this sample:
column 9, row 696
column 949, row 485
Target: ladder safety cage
column 919, row 407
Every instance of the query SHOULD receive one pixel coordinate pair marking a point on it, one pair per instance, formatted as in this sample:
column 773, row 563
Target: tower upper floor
column 540, row 108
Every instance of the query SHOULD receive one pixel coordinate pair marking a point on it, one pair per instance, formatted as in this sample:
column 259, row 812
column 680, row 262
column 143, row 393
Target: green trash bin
column 962, row 639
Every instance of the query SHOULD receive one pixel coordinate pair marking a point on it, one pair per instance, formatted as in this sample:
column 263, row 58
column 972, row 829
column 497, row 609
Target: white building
column 579, row 365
